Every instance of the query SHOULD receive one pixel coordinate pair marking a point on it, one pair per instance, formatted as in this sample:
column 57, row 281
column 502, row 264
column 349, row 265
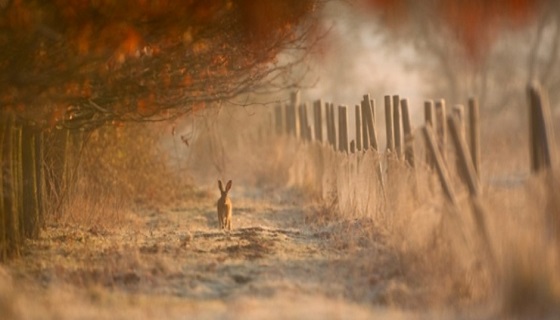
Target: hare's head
column 224, row 192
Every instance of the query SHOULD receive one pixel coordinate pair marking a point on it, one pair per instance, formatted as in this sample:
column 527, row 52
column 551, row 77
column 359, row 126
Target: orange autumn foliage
column 110, row 57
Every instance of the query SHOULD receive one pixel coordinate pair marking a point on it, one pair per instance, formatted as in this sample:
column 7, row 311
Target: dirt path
column 176, row 262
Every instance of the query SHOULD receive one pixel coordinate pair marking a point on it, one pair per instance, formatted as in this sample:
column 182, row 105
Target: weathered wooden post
column 290, row 119
column 397, row 130
column 365, row 129
column 429, row 118
column 369, row 136
column 301, row 124
column 470, row 178
column 342, row 129
column 543, row 153
column 305, row 129
column 464, row 162
column 389, row 124
column 439, row 164
column 408, row 135
column 359, row 129
column 441, row 116
column 458, row 113
column 331, row 128
column 474, row 134
column 292, row 125
column 318, row 117
column 278, row 119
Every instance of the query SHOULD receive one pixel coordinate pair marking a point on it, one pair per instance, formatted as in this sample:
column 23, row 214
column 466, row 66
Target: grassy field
column 317, row 234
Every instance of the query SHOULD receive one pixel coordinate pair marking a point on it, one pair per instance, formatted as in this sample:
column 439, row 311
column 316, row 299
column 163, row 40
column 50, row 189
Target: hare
column 224, row 207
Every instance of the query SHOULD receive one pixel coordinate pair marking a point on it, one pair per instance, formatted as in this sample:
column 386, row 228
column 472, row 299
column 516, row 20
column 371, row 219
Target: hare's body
column 224, row 207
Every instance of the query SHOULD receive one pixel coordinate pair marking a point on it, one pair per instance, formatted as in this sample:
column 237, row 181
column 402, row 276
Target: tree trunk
column 30, row 194
column 12, row 238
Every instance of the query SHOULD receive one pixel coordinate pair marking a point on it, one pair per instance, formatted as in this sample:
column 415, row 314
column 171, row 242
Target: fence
column 329, row 128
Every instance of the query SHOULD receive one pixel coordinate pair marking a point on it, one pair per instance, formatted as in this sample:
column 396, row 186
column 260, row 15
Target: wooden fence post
column 397, row 130
column 292, row 123
column 365, row 129
column 369, row 136
column 290, row 119
column 305, row 129
column 543, row 153
column 474, row 133
column 331, row 129
column 373, row 112
column 469, row 176
column 441, row 116
column 389, row 124
column 359, row 129
column 342, row 129
column 441, row 169
column 318, row 117
column 429, row 118
column 458, row 113
column 278, row 119
column 408, row 135
column 301, row 119
column 464, row 164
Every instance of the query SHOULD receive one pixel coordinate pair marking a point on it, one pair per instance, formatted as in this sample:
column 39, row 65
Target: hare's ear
column 228, row 186
column 220, row 185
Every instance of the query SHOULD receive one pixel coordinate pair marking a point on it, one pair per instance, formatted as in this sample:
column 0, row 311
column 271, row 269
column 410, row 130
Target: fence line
column 400, row 143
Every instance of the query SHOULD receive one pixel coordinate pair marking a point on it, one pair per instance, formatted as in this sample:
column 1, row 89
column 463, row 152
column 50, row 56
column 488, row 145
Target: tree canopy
column 87, row 62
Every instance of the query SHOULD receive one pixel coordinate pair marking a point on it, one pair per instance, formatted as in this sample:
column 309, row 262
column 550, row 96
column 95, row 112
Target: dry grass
column 110, row 174
column 405, row 246
column 369, row 203
column 375, row 235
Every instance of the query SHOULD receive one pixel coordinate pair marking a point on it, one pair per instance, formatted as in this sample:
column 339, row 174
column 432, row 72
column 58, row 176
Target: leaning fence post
column 440, row 165
column 458, row 113
column 474, row 133
column 429, row 117
column 543, row 154
column 342, row 129
column 465, row 165
column 468, row 174
column 408, row 135
column 441, row 117
column 397, row 136
column 389, row 124
column 359, row 129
